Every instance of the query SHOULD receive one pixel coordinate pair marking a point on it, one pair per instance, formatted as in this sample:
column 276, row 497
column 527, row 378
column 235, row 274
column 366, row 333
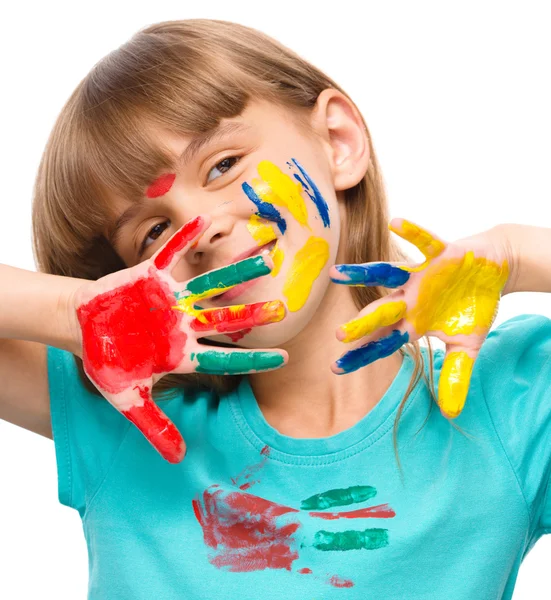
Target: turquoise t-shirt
column 251, row 513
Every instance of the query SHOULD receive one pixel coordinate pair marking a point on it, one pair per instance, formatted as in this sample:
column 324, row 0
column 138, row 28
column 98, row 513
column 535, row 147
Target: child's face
column 267, row 188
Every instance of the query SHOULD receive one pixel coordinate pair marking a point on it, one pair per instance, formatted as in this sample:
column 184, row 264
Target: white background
column 458, row 102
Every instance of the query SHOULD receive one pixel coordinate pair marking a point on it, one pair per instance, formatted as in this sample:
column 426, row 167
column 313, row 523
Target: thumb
column 455, row 378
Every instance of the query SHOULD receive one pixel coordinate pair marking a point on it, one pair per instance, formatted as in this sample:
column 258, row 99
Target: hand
column 138, row 324
column 453, row 295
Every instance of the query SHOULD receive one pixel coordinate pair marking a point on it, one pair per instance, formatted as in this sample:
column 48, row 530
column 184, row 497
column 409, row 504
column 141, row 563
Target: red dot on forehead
column 160, row 186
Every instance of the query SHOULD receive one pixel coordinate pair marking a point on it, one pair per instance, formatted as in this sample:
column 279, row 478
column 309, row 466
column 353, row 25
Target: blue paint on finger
column 372, row 274
column 372, row 351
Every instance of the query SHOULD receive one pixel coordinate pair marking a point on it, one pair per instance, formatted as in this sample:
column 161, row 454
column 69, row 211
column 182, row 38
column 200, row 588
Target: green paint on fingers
column 370, row 539
column 233, row 274
column 339, row 497
column 232, row 363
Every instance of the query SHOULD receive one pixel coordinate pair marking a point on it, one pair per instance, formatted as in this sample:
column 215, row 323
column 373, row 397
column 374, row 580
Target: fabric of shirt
column 251, row 513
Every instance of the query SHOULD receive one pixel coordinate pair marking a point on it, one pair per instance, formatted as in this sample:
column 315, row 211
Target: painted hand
column 139, row 324
column 453, row 295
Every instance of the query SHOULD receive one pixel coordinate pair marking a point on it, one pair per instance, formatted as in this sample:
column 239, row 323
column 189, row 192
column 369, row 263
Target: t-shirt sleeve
column 515, row 367
column 87, row 432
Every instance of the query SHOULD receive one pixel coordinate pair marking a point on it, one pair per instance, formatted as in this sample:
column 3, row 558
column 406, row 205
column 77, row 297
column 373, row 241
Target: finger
column 235, row 318
column 430, row 244
column 369, row 274
column 379, row 314
column 225, row 361
column 167, row 256
column 220, row 280
column 455, row 378
column 137, row 405
column 370, row 352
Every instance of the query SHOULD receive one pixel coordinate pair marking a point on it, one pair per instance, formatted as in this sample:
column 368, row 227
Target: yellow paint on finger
column 261, row 231
column 307, row 265
column 425, row 241
column 277, row 256
column 279, row 189
column 453, row 386
column 459, row 296
column 386, row 314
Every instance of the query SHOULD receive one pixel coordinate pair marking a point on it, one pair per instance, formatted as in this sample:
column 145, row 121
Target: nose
column 219, row 228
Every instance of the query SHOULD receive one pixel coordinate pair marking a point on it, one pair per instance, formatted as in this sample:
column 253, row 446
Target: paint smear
column 453, row 386
column 262, row 232
column 279, row 189
column 371, row 274
column 307, row 265
column 160, row 186
column 240, row 316
column 252, row 470
column 265, row 210
column 339, row 497
column 278, row 257
column 368, row 539
column 315, row 195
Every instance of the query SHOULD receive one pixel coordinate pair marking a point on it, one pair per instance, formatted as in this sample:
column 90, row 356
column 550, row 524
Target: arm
column 530, row 248
column 33, row 313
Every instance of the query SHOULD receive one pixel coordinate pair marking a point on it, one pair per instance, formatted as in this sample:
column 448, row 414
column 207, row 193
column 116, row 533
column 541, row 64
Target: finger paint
column 386, row 314
column 315, row 194
column 177, row 242
column 232, row 363
column 369, row 539
column 428, row 244
column 241, row 316
column 371, row 274
column 454, row 383
column 307, row 265
column 217, row 281
column 265, row 209
column 160, row 186
column 279, row 189
column 372, row 351
column 452, row 288
column 339, row 497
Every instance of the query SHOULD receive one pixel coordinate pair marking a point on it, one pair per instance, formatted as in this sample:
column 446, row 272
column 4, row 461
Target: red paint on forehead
column 160, row 186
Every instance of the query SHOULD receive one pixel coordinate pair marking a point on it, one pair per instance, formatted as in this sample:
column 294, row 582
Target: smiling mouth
column 237, row 290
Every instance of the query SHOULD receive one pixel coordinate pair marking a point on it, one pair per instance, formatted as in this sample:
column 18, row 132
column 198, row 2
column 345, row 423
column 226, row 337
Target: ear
column 339, row 123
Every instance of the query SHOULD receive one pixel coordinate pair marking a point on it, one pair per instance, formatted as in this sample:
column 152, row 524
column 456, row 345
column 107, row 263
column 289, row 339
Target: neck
column 305, row 398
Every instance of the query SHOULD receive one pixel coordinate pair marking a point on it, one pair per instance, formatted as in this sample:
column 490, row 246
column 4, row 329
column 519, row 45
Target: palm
column 453, row 295
column 139, row 324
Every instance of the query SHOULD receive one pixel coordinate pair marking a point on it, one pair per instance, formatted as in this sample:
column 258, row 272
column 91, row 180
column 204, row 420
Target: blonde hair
column 184, row 76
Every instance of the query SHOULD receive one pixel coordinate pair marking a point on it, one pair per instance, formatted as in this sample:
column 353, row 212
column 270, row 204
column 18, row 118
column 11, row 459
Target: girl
column 203, row 166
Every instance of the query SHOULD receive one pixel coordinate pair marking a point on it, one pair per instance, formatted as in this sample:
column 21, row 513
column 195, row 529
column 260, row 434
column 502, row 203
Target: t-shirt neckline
column 362, row 434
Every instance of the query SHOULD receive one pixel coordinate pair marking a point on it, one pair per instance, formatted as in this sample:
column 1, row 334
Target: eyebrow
column 197, row 143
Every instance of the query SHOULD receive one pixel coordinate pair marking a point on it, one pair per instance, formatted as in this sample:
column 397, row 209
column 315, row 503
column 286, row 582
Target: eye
column 155, row 232
column 226, row 166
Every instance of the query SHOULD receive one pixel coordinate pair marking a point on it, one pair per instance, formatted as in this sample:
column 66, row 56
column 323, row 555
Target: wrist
column 506, row 245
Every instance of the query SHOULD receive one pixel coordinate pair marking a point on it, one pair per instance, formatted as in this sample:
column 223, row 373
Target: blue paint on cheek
column 265, row 209
column 372, row 351
column 373, row 274
column 315, row 195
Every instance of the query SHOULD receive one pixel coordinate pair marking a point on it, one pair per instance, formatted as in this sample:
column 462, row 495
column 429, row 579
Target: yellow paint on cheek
column 306, row 267
column 279, row 189
column 277, row 256
column 261, row 231
column 459, row 296
column 453, row 386
column 386, row 314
